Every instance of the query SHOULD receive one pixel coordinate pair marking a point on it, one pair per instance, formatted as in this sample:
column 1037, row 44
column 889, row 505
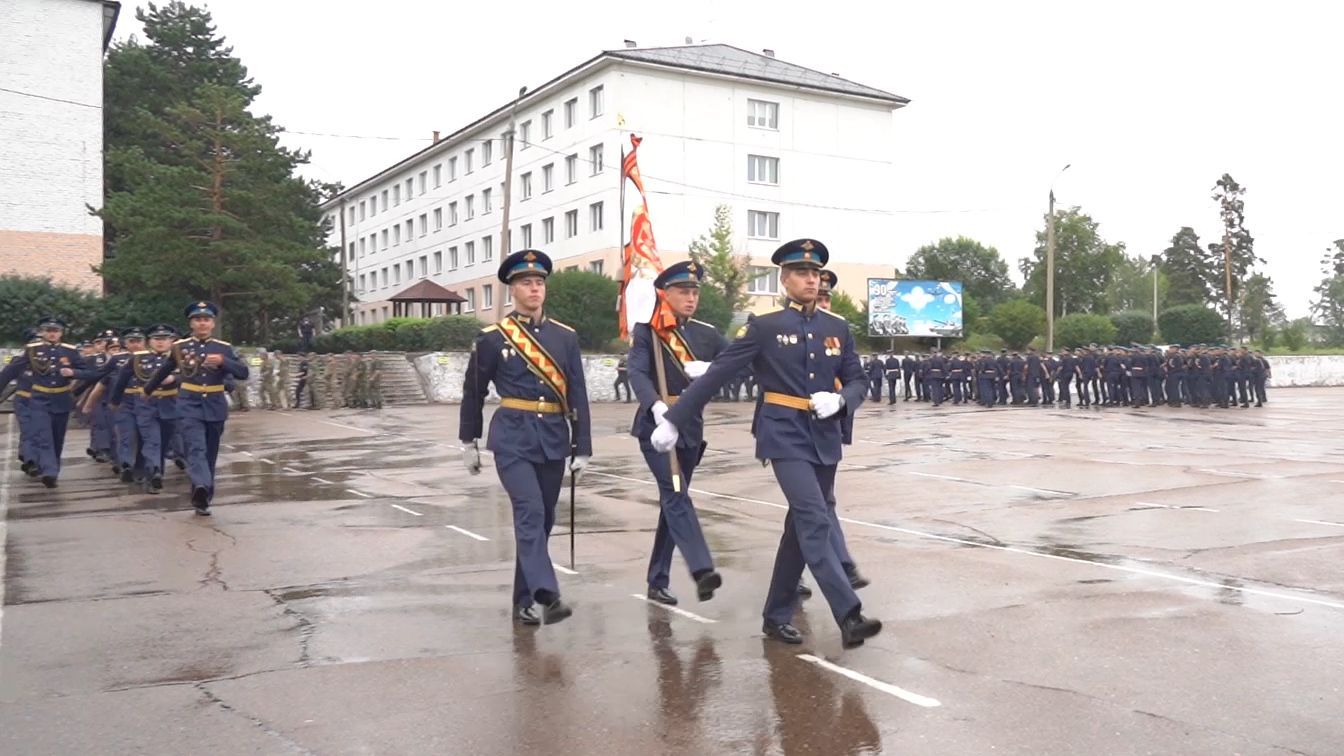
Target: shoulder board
column 182, row 341
column 143, row 351
column 69, row 346
column 33, row 344
column 832, row 314
column 489, row 328
column 562, row 325
column 703, row 323
column 221, row 341
column 775, row 311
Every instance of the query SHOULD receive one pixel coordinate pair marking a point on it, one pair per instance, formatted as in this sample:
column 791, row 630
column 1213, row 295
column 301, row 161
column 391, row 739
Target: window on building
column 595, row 267
column 487, row 248
column 467, row 159
column 438, row 175
column 352, row 215
column 362, row 246
column 424, row 224
column 547, row 120
column 361, row 209
column 438, row 219
column 571, row 224
column 396, row 195
column 471, row 253
column 452, row 258
column 361, row 283
column 373, row 243
column 486, row 206
column 571, row 169
column 423, row 266
column 487, row 152
column 571, row 112
column 396, row 235
column 764, row 280
column 525, row 186
column 471, row 207
column 595, row 157
column 470, row 304
column 410, row 230
column 452, row 168
column 762, row 169
column 595, row 101
column 525, row 235
column 396, row 274
column 410, row 183
column 547, row 177
column 383, row 273
column 595, row 216
column 763, row 114
column 452, row 213
column 384, row 200
column 424, row 178
column 488, row 295
column 508, row 296
column 762, row 224
column 350, row 254
column 384, row 238
column 373, row 205
column 438, row 262
column 525, row 134
column 547, row 230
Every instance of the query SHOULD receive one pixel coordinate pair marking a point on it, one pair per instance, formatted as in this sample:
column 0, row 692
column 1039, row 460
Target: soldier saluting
column 535, row 365
column 797, row 353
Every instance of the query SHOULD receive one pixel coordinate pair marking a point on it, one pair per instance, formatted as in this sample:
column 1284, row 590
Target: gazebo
column 426, row 293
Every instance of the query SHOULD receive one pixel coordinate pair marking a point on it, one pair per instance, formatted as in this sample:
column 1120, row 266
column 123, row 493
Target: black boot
column 706, row 583
column 200, row 500
column 856, row 628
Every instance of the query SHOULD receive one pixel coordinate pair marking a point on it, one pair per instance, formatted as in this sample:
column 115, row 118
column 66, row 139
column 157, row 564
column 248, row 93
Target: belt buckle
column 541, row 406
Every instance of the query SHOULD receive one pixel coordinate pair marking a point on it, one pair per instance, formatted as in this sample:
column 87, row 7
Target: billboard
column 914, row 308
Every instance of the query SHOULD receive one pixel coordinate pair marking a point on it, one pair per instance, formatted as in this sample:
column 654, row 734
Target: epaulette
column 69, row 346
column 832, row 314
column 489, row 328
column 562, row 325
column 222, row 341
column 142, row 351
column 703, row 323
column 182, row 340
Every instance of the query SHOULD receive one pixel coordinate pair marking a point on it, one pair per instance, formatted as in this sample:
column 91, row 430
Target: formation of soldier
column 1111, row 376
column 325, row 382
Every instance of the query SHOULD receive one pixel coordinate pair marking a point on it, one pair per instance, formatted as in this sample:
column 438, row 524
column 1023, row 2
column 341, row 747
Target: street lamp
column 1157, row 261
column 1050, row 266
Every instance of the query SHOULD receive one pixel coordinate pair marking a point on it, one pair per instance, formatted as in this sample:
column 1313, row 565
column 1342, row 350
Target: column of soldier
column 1139, row 376
column 810, row 379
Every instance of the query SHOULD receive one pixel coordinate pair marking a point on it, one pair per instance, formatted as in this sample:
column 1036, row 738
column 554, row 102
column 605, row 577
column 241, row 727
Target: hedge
column 452, row 332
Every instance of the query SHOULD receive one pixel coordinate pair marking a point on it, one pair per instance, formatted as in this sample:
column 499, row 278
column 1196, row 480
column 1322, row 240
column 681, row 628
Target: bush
column 1132, row 327
column 1017, row 322
column 1081, row 329
column 1270, row 338
column 1191, row 324
column 585, row 302
column 451, row 332
column 1295, row 335
column 413, row 336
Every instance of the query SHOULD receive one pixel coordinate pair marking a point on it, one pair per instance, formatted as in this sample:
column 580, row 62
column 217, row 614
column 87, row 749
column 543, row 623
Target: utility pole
column 345, row 273
column 505, row 238
column 1157, row 260
column 1050, row 267
column 1227, row 269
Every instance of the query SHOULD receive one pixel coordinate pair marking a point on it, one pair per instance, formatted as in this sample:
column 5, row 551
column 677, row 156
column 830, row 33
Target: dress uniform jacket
column 705, row 343
column 200, row 387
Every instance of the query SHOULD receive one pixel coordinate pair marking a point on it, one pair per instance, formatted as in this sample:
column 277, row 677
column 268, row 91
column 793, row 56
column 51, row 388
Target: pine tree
column 1234, row 256
column 1187, row 270
column 724, row 270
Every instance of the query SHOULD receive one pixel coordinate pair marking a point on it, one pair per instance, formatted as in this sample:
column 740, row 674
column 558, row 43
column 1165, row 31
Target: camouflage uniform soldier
column 267, row 395
column 375, row 384
column 310, row 386
column 281, row 401
column 331, row 396
column 349, row 382
column 239, row 390
column 361, row 391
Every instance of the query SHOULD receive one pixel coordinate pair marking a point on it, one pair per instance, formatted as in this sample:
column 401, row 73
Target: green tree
column 1188, row 273
column 724, row 270
column 1081, row 329
column 1132, row 286
column 713, row 308
column 1329, row 304
column 1132, row 327
column 1085, row 265
column 1295, row 334
column 24, row 299
column 982, row 271
column 586, row 302
column 1259, row 309
column 1017, row 322
column 202, row 202
column 1191, row 324
column 1236, row 252
column 843, row 305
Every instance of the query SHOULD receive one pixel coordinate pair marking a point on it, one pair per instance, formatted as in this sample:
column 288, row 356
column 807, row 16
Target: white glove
column 826, row 403
column 471, row 458
column 664, row 437
column 696, row 368
column 659, row 409
column 577, row 465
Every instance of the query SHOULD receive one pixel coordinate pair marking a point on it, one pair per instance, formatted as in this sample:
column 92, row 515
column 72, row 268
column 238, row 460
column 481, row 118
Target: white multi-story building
column 793, row 151
column 51, row 137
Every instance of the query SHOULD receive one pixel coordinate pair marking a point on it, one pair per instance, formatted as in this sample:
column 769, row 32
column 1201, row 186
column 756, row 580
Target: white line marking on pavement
column 292, row 470
column 1337, row 481
column 871, row 682
column 1041, row 490
column 1024, row 552
column 465, row 532
column 342, row 425
column 1177, row 509
column 1323, row 522
column 322, row 480
column 407, row 511
column 8, row 453
column 359, row 493
column 266, row 461
column 565, row 570
column 1236, row 474
column 940, row 477
column 675, row 610
column 248, row 453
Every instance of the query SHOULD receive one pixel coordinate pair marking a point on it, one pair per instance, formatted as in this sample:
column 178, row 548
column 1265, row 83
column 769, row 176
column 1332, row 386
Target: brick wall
column 64, row 258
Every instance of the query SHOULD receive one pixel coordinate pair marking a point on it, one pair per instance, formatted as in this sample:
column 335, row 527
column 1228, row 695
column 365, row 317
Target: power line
column 356, row 136
column 51, row 99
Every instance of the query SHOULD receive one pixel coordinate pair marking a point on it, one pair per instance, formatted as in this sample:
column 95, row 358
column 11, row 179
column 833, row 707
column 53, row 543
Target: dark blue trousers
column 155, row 437
column 678, row 524
column 23, row 411
column 1138, row 389
column 201, row 441
column 1174, row 381
column 933, row 389
column 127, row 434
column 47, row 430
column 533, row 489
column 986, row 392
column 807, row 541
column 100, row 428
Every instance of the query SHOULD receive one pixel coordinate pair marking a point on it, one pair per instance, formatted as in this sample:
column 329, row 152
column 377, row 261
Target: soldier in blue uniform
column 1068, row 368
column 125, row 434
column 895, row 369
column 877, row 373
column 1138, row 379
column 1174, row 367
column 1017, row 378
column 957, row 369
column 201, row 364
column 1259, row 377
column 987, row 377
column 1113, row 368
column 798, row 352
column 686, row 352
column 23, row 395
column 542, row 421
column 1032, row 383
column 155, row 414
column 53, row 366
column 100, row 422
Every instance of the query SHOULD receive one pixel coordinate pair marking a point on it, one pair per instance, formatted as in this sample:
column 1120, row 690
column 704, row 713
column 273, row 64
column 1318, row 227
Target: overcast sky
column 1149, row 101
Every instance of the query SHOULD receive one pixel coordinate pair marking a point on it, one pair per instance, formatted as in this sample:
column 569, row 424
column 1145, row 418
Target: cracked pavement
column 1060, row 581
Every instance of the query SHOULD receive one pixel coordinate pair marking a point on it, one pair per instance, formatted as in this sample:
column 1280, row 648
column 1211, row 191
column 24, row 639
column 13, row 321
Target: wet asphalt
column 1051, row 581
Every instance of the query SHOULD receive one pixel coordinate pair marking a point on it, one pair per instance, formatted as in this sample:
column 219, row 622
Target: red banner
column 639, row 260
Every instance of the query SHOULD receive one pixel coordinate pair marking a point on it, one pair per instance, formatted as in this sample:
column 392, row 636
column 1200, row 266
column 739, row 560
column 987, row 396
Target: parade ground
column 1058, row 581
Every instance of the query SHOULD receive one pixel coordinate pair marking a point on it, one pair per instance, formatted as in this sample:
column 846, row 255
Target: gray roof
column 733, row 61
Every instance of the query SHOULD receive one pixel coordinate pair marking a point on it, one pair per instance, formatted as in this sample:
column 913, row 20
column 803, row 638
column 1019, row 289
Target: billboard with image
column 914, row 308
